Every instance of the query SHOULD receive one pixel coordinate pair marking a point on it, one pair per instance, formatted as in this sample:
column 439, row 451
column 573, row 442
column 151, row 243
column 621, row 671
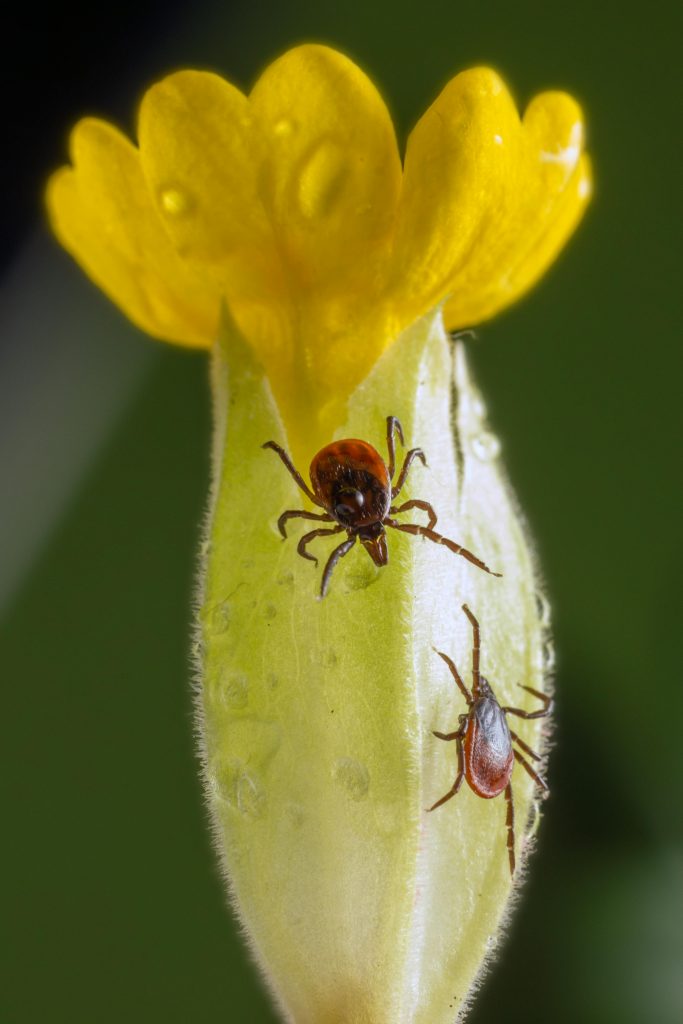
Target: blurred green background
column 113, row 908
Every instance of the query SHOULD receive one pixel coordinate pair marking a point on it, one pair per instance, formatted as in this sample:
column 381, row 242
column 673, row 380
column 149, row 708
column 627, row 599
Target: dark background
column 114, row 909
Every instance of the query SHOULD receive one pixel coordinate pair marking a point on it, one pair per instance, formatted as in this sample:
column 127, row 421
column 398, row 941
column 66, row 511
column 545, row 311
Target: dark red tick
column 353, row 484
column 486, row 754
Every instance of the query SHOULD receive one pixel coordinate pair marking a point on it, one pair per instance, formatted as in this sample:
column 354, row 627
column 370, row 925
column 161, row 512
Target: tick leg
column 414, row 453
column 525, row 747
column 510, row 822
column 542, row 713
column 393, row 425
column 458, row 778
column 476, row 646
column 530, row 771
column 300, row 514
column 424, row 531
column 293, row 471
column 417, row 503
column 456, row 675
column 338, row 553
column 308, row 537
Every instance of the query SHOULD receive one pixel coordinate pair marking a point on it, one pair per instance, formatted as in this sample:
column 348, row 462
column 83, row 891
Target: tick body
column 485, row 743
column 351, row 481
column 353, row 485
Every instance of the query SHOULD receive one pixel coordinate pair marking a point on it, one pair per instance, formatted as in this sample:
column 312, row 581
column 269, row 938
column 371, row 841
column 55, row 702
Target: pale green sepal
column 316, row 717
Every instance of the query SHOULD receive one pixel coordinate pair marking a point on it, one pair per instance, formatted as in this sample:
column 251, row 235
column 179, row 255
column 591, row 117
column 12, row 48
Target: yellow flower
column 292, row 206
column 282, row 231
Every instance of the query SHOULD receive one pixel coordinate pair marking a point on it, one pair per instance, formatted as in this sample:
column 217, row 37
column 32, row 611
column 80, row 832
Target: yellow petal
column 456, row 178
column 201, row 156
column 286, row 200
column 488, row 200
column 332, row 172
column 543, row 205
column 101, row 212
column 291, row 206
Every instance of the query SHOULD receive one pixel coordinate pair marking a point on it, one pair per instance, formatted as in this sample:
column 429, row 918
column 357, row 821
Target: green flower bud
column 316, row 717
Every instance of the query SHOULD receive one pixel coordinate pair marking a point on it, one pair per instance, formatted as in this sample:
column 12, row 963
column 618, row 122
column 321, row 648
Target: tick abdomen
column 488, row 749
column 352, row 481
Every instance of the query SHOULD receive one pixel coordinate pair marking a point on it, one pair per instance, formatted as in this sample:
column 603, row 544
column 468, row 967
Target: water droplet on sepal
column 544, row 609
column 485, row 446
column 238, row 788
column 548, row 656
column 352, row 776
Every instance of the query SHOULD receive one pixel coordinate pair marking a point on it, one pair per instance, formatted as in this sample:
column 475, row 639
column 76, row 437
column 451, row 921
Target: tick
column 484, row 741
column 354, row 486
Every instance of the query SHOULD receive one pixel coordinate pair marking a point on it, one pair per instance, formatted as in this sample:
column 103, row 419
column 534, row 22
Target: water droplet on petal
column 174, row 201
column 284, row 128
column 321, row 180
column 485, row 446
column 352, row 776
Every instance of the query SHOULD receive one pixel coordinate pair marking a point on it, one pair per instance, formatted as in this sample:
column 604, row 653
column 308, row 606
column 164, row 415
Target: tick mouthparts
column 376, row 547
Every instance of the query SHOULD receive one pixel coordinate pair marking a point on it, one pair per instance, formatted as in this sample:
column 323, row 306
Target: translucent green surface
column 317, row 716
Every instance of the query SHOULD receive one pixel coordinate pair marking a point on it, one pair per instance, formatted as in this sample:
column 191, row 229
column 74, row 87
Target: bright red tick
column 354, row 485
column 484, row 741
